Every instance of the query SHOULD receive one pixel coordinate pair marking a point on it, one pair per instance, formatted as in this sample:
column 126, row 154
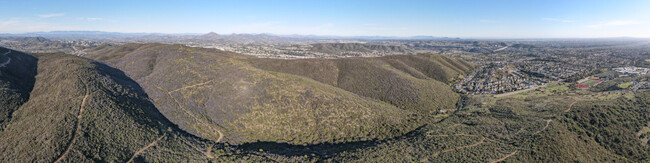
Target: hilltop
column 224, row 96
column 62, row 108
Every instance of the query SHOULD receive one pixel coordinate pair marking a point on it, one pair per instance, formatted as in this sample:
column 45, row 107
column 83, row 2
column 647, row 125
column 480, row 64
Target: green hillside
column 223, row 96
column 411, row 82
column 77, row 110
column 550, row 129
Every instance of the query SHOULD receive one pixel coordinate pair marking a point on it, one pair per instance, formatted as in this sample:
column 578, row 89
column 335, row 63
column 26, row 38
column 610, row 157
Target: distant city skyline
column 464, row 18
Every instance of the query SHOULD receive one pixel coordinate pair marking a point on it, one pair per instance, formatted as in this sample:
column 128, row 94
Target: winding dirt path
column 169, row 93
column 504, row 158
column 461, row 147
column 208, row 152
column 196, row 118
column 8, row 59
column 548, row 121
column 76, row 131
column 5, row 63
column 146, row 147
column 190, row 86
column 570, row 105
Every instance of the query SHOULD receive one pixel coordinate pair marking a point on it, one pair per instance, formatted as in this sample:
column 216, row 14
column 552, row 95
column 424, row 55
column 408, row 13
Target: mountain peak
column 211, row 34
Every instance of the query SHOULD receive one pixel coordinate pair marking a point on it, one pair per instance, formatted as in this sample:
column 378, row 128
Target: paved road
column 526, row 90
column 503, row 48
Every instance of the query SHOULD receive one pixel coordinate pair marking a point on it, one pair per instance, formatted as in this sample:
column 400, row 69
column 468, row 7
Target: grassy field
column 589, row 83
column 625, row 85
column 560, row 87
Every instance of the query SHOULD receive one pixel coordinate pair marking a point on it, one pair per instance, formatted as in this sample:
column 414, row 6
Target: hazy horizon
column 21, row 34
column 464, row 19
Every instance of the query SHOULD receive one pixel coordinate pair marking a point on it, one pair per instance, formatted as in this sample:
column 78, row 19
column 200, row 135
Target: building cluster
column 632, row 71
column 552, row 70
column 496, row 78
column 640, row 85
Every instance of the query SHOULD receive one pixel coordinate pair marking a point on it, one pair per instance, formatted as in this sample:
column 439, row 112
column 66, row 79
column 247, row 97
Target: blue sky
column 452, row 18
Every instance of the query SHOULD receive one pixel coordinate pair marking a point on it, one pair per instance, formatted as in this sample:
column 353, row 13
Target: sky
column 450, row 18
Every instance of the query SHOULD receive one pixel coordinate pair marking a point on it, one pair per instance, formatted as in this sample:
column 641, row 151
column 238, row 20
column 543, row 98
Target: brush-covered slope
column 548, row 129
column 410, row 82
column 62, row 108
column 17, row 73
column 224, row 96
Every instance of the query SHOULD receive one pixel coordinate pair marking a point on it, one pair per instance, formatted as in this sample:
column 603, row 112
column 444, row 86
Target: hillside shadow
column 142, row 99
column 19, row 75
column 322, row 150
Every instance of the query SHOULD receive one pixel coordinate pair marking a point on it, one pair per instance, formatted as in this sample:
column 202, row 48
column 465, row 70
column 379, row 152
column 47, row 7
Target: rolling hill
column 228, row 97
column 352, row 48
column 62, row 108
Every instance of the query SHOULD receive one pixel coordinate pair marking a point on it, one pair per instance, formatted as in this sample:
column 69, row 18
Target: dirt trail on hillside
column 196, row 118
column 76, row 131
column 570, row 105
column 146, row 147
column 8, row 59
column 208, row 152
column 190, row 86
column 548, row 121
column 504, row 158
column 5, row 63
column 461, row 147
column 169, row 93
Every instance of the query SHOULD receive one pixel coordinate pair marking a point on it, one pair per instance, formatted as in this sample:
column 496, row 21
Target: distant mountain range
column 101, row 35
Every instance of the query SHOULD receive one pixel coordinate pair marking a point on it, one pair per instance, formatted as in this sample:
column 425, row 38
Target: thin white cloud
column 614, row 23
column 8, row 22
column 379, row 28
column 20, row 25
column 559, row 20
column 51, row 15
column 94, row 19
